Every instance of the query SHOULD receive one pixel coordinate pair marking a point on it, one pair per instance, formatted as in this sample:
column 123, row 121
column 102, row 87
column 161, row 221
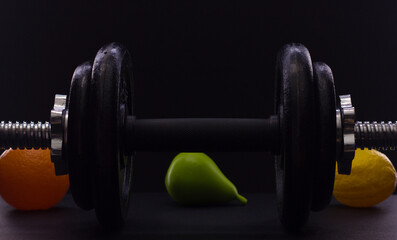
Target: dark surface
column 156, row 216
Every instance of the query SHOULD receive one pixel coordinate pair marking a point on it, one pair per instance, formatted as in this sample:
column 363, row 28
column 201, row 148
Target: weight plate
column 295, row 109
column 78, row 141
column 325, row 150
column 111, row 102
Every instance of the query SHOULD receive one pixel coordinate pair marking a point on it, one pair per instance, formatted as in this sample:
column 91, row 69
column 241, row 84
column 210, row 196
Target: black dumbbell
column 94, row 133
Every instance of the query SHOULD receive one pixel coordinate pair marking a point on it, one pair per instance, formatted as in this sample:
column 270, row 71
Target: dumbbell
column 93, row 134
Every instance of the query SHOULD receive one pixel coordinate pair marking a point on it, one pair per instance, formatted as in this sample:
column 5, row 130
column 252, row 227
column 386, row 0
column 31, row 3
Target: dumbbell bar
column 94, row 134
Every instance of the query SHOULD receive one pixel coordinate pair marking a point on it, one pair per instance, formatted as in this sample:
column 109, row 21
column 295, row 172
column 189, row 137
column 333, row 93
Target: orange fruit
column 28, row 180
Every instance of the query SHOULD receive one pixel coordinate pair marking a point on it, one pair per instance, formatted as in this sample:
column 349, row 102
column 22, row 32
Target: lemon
column 372, row 180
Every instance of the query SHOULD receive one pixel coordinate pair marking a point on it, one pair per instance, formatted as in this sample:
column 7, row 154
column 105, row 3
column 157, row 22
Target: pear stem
column 242, row 199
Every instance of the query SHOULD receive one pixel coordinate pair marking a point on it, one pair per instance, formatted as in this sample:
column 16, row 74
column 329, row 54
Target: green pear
column 195, row 179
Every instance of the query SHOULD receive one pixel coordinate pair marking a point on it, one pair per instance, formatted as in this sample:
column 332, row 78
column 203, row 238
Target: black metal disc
column 325, row 149
column 294, row 107
column 111, row 102
column 78, row 141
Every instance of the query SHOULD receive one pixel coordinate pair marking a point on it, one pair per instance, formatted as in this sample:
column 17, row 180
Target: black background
column 198, row 59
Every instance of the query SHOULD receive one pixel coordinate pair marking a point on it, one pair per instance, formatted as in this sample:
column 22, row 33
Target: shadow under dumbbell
column 165, row 217
column 152, row 216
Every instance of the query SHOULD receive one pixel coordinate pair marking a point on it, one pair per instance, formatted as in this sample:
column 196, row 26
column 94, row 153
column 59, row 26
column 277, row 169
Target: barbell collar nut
column 346, row 124
column 58, row 125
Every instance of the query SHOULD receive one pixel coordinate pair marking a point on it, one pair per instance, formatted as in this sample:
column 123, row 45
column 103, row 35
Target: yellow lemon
column 372, row 180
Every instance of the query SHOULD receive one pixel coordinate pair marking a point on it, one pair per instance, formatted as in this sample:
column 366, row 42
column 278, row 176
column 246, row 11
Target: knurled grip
column 25, row 135
column 380, row 136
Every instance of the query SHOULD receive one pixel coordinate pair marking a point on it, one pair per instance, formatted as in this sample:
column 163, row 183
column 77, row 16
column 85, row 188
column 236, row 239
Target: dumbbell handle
column 180, row 134
column 197, row 134
column 201, row 134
